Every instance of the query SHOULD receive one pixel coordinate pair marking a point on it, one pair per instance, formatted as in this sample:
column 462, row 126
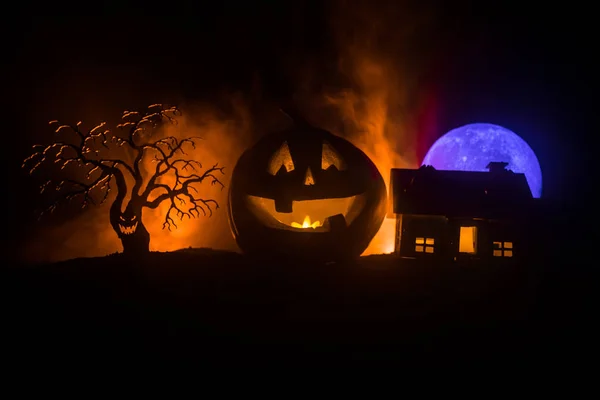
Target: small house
column 460, row 215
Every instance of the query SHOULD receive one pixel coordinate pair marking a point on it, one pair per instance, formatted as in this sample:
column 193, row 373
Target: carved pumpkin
column 305, row 193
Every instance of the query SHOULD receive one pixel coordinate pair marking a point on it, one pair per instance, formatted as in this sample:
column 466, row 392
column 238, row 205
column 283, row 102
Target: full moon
column 471, row 147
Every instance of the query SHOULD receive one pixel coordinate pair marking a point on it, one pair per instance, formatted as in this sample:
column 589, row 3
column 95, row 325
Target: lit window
column 503, row 249
column 424, row 245
column 467, row 241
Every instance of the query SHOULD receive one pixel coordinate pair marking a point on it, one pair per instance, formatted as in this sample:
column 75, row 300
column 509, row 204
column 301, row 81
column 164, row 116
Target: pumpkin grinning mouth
column 323, row 215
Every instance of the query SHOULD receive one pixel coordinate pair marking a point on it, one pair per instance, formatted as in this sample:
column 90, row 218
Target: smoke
column 225, row 135
column 374, row 96
column 380, row 106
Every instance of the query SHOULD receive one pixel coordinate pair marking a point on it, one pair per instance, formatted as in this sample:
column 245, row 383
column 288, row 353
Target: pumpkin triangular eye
column 330, row 157
column 281, row 158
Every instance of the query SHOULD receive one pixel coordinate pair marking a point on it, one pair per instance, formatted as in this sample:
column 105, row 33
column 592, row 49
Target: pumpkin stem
column 293, row 114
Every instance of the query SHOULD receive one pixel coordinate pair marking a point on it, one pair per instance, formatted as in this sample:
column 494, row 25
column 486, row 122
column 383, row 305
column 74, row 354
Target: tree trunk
column 128, row 224
column 137, row 243
column 129, row 227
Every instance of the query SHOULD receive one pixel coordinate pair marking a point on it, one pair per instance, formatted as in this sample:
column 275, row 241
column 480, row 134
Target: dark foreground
column 218, row 308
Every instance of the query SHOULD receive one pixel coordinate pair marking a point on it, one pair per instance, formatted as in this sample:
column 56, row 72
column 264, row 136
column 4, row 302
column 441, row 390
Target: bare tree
column 94, row 151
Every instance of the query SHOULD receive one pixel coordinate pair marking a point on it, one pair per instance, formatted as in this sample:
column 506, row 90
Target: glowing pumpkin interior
column 319, row 215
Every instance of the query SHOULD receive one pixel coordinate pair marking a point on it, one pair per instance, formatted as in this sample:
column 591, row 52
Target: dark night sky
column 525, row 67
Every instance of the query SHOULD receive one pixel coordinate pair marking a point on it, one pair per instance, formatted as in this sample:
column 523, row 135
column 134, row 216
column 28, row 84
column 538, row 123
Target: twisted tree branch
column 75, row 188
column 182, row 190
column 84, row 151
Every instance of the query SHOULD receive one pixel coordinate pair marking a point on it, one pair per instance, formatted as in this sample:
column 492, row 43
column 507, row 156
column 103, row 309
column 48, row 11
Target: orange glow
column 220, row 145
column 89, row 233
column 373, row 101
column 380, row 105
column 306, row 224
column 378, row 130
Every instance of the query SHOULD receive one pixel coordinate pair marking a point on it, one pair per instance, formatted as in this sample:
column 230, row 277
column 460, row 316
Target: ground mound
column 219, row 306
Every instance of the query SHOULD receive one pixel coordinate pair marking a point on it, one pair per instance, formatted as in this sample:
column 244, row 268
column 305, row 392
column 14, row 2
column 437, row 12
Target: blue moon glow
column 471, row 147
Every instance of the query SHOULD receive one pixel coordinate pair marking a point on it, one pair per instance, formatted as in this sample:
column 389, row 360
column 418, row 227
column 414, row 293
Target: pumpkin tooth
column 283, row 205
column 337, row 222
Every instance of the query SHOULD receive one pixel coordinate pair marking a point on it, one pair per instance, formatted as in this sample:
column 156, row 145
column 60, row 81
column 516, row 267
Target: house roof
column 498, row 193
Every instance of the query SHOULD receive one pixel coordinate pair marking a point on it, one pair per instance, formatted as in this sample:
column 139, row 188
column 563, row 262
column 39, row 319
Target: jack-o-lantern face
column 297, row 201
column 306, row 192
column 128, row 223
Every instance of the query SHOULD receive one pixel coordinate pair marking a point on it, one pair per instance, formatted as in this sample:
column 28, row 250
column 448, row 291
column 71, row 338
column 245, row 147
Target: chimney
column 497, row 167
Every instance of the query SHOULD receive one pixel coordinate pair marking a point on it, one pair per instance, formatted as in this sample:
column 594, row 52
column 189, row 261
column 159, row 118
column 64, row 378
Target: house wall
column 411, row 227
column 445, row 233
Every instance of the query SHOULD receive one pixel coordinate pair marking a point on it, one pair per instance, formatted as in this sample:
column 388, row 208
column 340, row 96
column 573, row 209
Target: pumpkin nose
column 308, row 178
